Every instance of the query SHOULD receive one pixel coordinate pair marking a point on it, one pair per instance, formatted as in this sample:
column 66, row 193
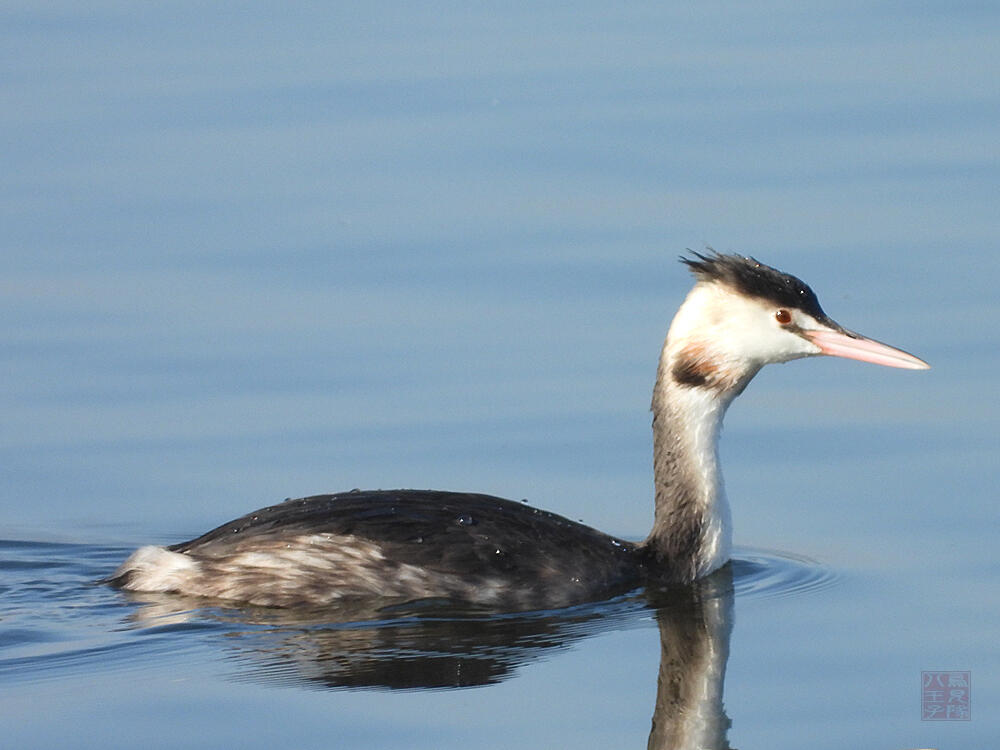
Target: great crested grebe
column 740, row 316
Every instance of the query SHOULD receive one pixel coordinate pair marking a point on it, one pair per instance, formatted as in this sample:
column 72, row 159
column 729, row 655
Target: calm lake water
column 270, row 251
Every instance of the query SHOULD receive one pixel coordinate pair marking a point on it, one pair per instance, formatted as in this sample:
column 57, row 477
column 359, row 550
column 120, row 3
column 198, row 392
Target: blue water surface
column 260, row 251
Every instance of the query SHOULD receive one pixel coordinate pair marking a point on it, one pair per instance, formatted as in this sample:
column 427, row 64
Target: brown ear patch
column 695, row 367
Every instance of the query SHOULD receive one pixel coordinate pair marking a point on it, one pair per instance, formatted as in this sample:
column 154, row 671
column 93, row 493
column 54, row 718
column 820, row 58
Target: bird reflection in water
column 430, row 645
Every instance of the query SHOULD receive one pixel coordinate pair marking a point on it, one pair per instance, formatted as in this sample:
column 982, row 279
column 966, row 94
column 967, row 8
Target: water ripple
column 57, row 622
column 769, row 573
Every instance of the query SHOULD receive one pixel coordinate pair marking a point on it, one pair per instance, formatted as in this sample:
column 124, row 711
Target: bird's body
column 415, row 544
column 411, row 544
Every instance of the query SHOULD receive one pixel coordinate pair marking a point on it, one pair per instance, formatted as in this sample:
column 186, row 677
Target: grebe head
column 742, row 315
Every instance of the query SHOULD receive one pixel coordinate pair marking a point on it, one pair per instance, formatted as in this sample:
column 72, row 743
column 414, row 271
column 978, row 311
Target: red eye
column 783, row 316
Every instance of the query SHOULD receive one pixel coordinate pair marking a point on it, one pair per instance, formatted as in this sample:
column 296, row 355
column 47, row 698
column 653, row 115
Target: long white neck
column 692, row 528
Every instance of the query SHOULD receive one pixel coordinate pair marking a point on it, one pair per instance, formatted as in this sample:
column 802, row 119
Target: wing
column 475, row 536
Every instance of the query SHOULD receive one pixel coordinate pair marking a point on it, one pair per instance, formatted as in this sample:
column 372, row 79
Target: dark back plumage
column 546, row 560
column 751, row 277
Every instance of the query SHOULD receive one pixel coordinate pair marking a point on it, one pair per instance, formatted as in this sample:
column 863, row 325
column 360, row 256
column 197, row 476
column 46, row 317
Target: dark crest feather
column 755, row 279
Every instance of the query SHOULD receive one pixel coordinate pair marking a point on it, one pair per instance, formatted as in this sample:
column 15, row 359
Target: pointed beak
column 844, row 343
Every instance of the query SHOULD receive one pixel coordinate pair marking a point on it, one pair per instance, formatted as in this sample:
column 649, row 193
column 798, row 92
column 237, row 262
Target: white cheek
column 742, row 333
column 754, row 335
column 799, row 347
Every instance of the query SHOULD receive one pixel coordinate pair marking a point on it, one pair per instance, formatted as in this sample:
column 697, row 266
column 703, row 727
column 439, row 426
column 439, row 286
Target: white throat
column 692, row 532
